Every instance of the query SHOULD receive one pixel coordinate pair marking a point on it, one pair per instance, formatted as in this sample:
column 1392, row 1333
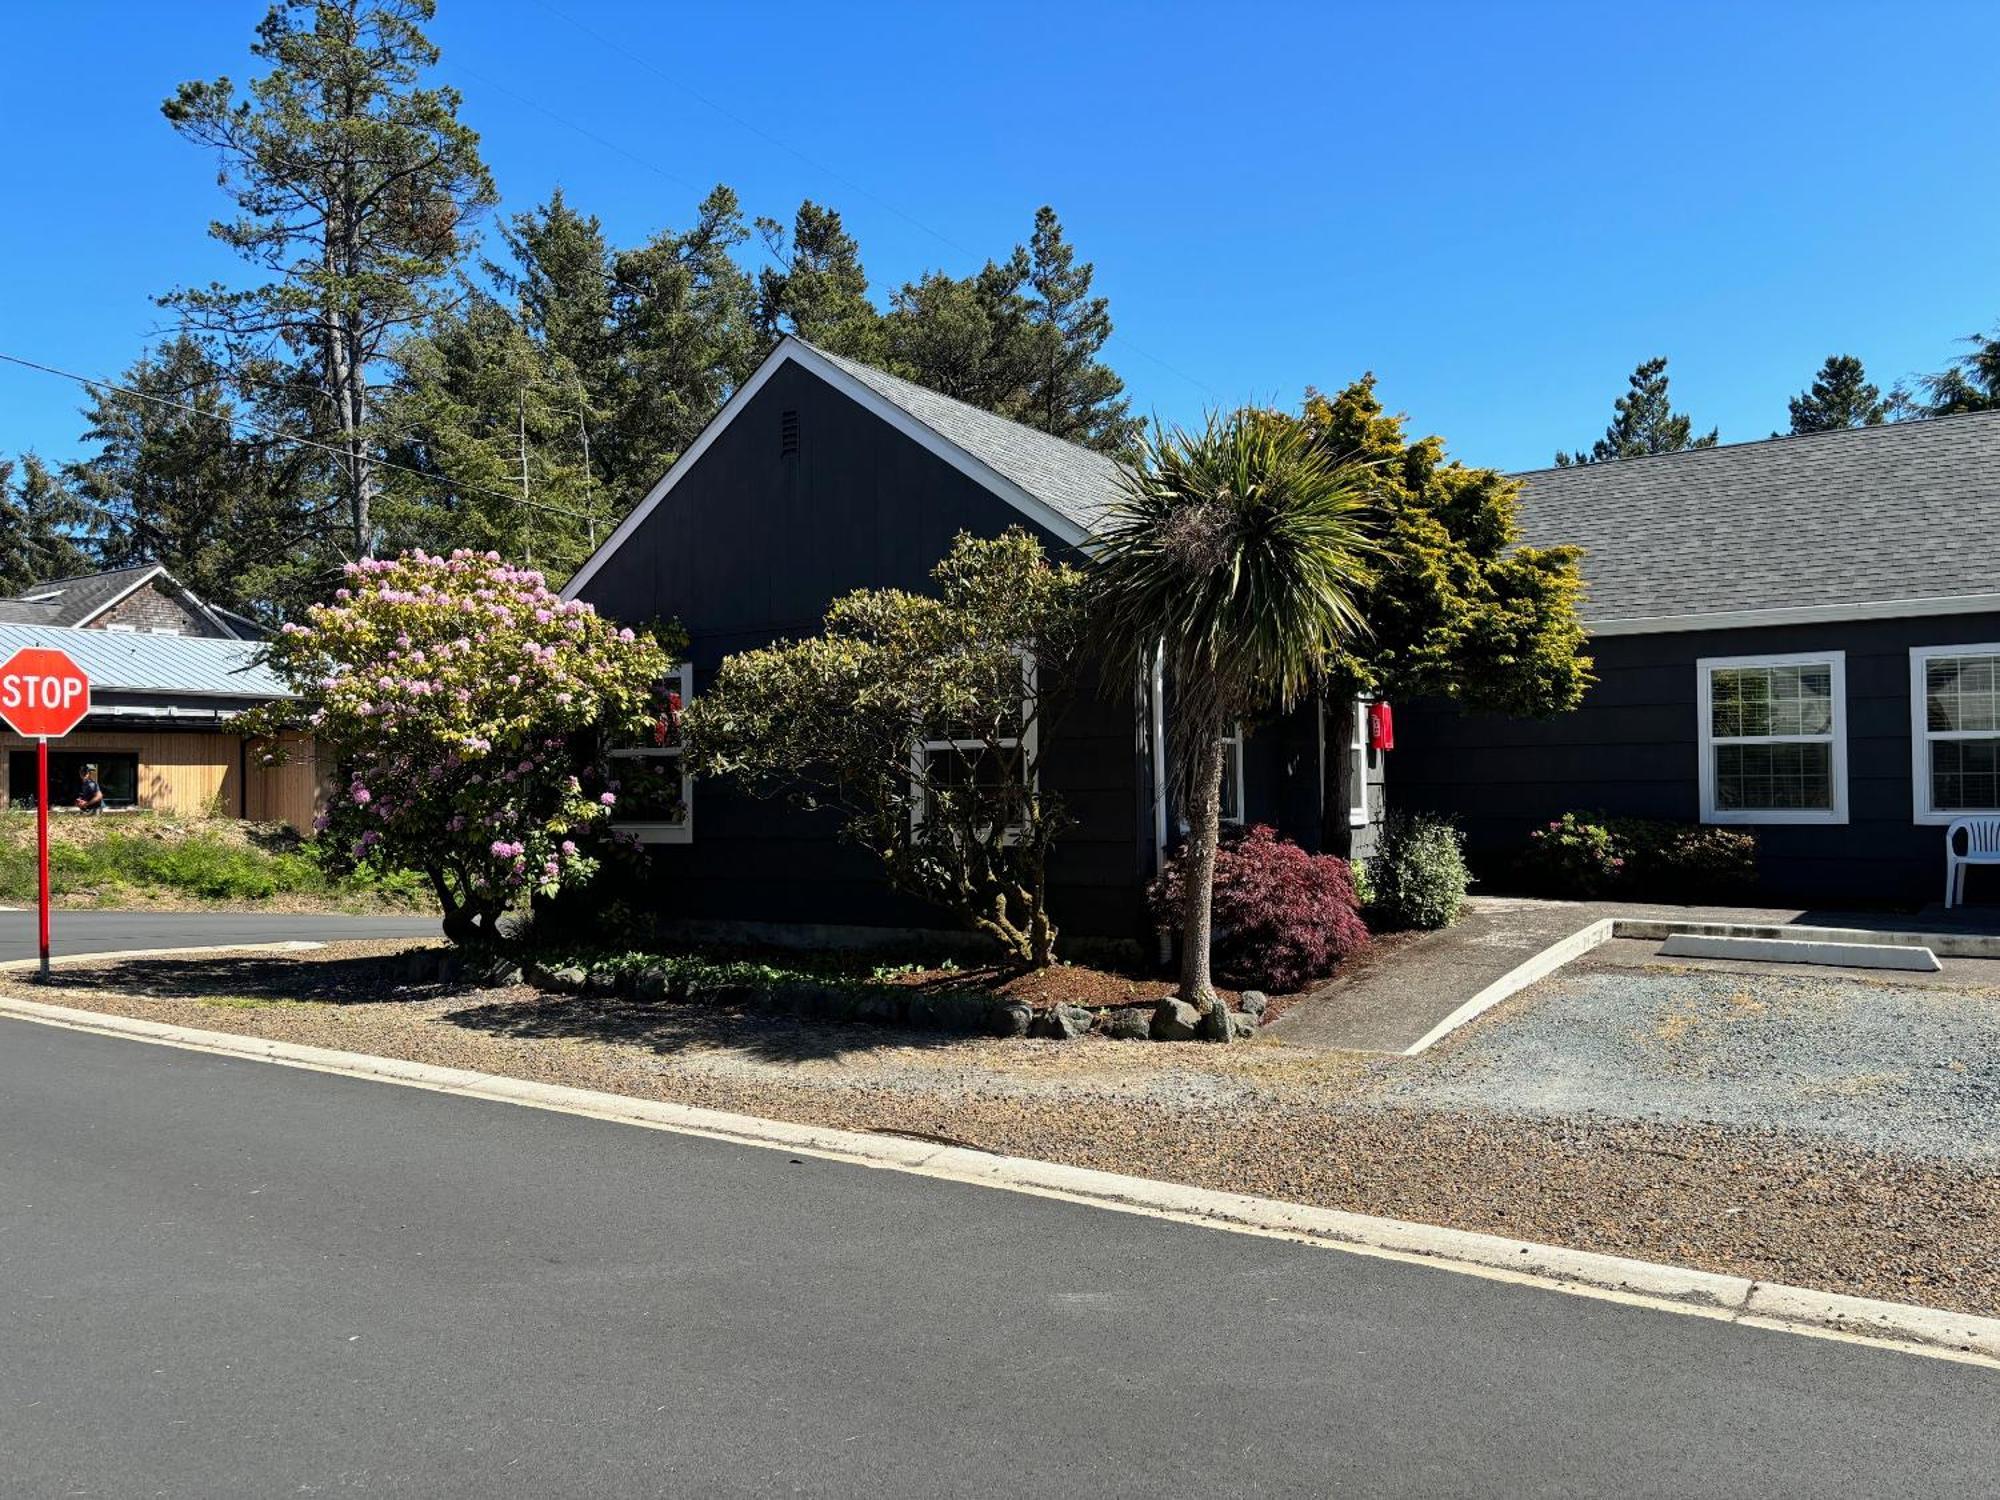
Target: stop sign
column 43, row 694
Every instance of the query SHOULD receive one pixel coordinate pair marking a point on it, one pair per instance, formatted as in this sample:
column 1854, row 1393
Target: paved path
column 121, row 931
column 1391, row 1003
column 226, row 1278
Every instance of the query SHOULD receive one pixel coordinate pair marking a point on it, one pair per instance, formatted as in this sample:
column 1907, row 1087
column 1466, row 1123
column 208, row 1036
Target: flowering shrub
column 1283, row 917
column 468, row 705
column 1573, row 856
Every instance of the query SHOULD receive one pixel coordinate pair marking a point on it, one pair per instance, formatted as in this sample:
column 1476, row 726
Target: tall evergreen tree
column 173, row 481
column 41, row 526
column 561, row 279
column 355, row 187
column 1841, row 395
column 1970, row 383
column 971, row 339
column 817, row 290
column 1643, row 421
column 1072, row 393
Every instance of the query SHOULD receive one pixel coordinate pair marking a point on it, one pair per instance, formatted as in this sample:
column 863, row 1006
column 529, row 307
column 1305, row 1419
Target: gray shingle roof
column 1869, row 516
column 1078, row 483
column 169, row 666
column 79, row 599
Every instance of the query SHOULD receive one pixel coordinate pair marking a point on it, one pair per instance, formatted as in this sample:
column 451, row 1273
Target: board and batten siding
column 750, row 546
column 1633, row 748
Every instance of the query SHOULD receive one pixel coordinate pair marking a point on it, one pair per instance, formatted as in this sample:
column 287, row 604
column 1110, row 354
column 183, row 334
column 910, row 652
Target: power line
column 289, row 437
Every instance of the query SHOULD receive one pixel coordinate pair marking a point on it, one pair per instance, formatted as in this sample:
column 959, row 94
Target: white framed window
column 1357, row 769
column 981, row 765
column 1954, row 731
column 1232, row 775
column 118, row 629
column 655, row 793
column 1773, row 738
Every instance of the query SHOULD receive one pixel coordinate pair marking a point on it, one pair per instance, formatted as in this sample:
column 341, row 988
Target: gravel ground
column 1784, row 1201
column 1910, row 1069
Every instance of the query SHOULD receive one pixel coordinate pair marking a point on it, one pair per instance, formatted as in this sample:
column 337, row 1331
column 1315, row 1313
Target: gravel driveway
column 1908, row 1068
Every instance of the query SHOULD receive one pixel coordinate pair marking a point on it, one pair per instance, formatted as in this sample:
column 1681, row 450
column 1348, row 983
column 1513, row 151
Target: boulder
column 1175, row 1021
column 1129, row 1023
column 568, row 980
column 1241, row 1027
column 1214, row 1026
column 650, row 985
column 1009, row 1017
column 601, row 982
column 1066, row 1022
column 1253, row 1002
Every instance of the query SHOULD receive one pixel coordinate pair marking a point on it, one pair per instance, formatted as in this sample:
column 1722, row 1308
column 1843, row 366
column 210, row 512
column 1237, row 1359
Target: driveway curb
column 1931, row 1331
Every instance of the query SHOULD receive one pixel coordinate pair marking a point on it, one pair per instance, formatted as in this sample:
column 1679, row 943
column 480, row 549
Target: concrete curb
column 1930, row 1331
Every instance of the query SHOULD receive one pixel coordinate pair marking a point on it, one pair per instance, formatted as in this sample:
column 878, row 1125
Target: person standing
column 89, row 795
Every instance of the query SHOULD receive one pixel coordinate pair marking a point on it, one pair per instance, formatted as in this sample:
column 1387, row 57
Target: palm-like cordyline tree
column 1237, row 553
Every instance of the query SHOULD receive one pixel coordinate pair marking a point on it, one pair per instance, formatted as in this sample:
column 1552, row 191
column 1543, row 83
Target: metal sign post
column 43, row 696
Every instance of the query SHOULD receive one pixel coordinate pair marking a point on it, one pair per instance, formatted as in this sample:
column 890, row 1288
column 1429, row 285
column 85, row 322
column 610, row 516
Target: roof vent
column 788, row 434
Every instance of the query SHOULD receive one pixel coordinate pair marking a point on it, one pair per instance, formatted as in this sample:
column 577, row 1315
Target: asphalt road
column 121, row 931
column 228, row 1278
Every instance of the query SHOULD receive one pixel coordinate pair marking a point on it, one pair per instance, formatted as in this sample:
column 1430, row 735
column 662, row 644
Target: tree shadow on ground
column 271, row 977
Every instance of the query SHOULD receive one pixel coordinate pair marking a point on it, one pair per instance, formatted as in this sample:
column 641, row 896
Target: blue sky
column 1498, row 208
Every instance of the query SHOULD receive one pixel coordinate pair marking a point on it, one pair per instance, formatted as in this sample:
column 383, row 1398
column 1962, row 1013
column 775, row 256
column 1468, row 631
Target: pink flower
column 609, row 799
column 569, row 846
column 362, row 796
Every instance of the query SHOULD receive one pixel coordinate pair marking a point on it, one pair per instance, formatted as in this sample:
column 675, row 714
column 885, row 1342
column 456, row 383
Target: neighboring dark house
column 1799, row 636
column 141, row 599
column 821, row 476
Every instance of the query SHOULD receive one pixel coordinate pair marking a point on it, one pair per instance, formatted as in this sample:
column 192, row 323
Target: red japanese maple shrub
column 1283, row 917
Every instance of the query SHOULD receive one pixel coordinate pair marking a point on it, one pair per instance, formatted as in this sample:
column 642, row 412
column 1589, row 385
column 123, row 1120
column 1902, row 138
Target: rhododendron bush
column 468, row 707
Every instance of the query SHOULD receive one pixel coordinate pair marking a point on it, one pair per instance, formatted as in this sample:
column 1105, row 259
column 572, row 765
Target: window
column 117, row 775
column 1000, row 771
column 1232, row 774
column 1357, row 769
column 163, row 630
column 655, row 793
column 1773, row 738
column 1954, row 731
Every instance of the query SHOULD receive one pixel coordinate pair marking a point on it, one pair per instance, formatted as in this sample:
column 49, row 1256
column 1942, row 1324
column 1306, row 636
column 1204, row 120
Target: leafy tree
column 231, row 514
column 1840, row 396
column 1643, row 421
column 841, row 719
column 1072, row 393
column 1240, row 553
column 818, row 290
column 41, row 526
column 355, row 187
column 1970, row 383
column 471, row 705
column 1455, row 607
column 970, row 339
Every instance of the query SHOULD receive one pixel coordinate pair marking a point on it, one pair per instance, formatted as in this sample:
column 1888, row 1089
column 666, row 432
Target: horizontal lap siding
column 750, row 547
column 1633, row 748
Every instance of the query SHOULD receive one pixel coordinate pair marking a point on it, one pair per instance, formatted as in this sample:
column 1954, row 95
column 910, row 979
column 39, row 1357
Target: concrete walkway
column 1393, row 997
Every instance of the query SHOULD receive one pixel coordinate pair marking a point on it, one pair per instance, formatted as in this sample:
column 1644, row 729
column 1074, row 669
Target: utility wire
column 288, row 437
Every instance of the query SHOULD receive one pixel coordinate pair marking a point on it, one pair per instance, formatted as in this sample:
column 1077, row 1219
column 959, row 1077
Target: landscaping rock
column 1215, row 1025
column 1241, row 1027
column 1175, row 1021
column 1063, row 1023
column 499, row 975
column 568, row 980
column 601, row 982
column 880, row 1009
column 651, row 986
column 1254, row 1002
column 1129, row 1023
column 1010, row 1017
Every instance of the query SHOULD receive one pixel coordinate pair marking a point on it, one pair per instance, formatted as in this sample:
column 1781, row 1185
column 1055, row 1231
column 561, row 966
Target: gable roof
column 171, row 666
column 1056, row 484
column 79, row 600
column 1877, row 522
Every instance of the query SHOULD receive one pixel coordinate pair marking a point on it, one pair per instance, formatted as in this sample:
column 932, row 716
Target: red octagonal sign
column 43, row 694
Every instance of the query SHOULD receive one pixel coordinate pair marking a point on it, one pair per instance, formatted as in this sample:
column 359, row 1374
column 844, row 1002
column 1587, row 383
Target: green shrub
column 1417, row 875
column 1584, row 855
column 1574, row 857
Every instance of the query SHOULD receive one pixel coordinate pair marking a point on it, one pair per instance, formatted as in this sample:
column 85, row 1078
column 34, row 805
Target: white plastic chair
column 1982, row 847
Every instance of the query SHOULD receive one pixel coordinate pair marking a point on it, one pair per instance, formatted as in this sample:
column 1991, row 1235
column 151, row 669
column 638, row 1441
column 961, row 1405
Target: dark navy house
column 1799, row 636
column 822, row 475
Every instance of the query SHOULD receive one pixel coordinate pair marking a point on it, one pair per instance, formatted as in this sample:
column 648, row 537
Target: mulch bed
column 1062, row 984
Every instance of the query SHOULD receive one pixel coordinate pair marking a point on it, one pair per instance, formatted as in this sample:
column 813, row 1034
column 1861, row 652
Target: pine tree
column 1643, row 422
column 355, row 187
column 1072, row 393
column 1970, row 383
column 41, row 526
column 818, row 290
column 971, row 339
column 1840, row 396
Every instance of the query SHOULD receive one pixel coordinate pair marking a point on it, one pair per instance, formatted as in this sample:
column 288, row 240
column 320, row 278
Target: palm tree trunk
column 1204, row 814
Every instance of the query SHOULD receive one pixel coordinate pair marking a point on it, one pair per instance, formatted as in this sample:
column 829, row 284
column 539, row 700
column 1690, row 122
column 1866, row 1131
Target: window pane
column 1774, row 778
column 648, row 788
column 1962, row 692
column 1965, row 775
column 1756, row 702
column 984, row 785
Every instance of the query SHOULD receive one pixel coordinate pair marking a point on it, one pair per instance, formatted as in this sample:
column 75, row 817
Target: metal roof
column 1898, row 519
column 121, row 661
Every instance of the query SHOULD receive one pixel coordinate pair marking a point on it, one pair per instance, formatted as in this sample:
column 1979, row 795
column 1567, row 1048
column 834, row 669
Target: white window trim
column 1837, row 738
column 1234, row 740
column 1357, row 793
column 1921, row 735
column 680, row 830
column 1028, row 742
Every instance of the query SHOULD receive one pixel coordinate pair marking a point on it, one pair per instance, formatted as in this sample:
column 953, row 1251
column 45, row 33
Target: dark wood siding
column 1633, row 748
column 750, row 546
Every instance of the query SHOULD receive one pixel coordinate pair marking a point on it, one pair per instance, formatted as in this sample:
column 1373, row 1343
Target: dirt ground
column 1817, row 1193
